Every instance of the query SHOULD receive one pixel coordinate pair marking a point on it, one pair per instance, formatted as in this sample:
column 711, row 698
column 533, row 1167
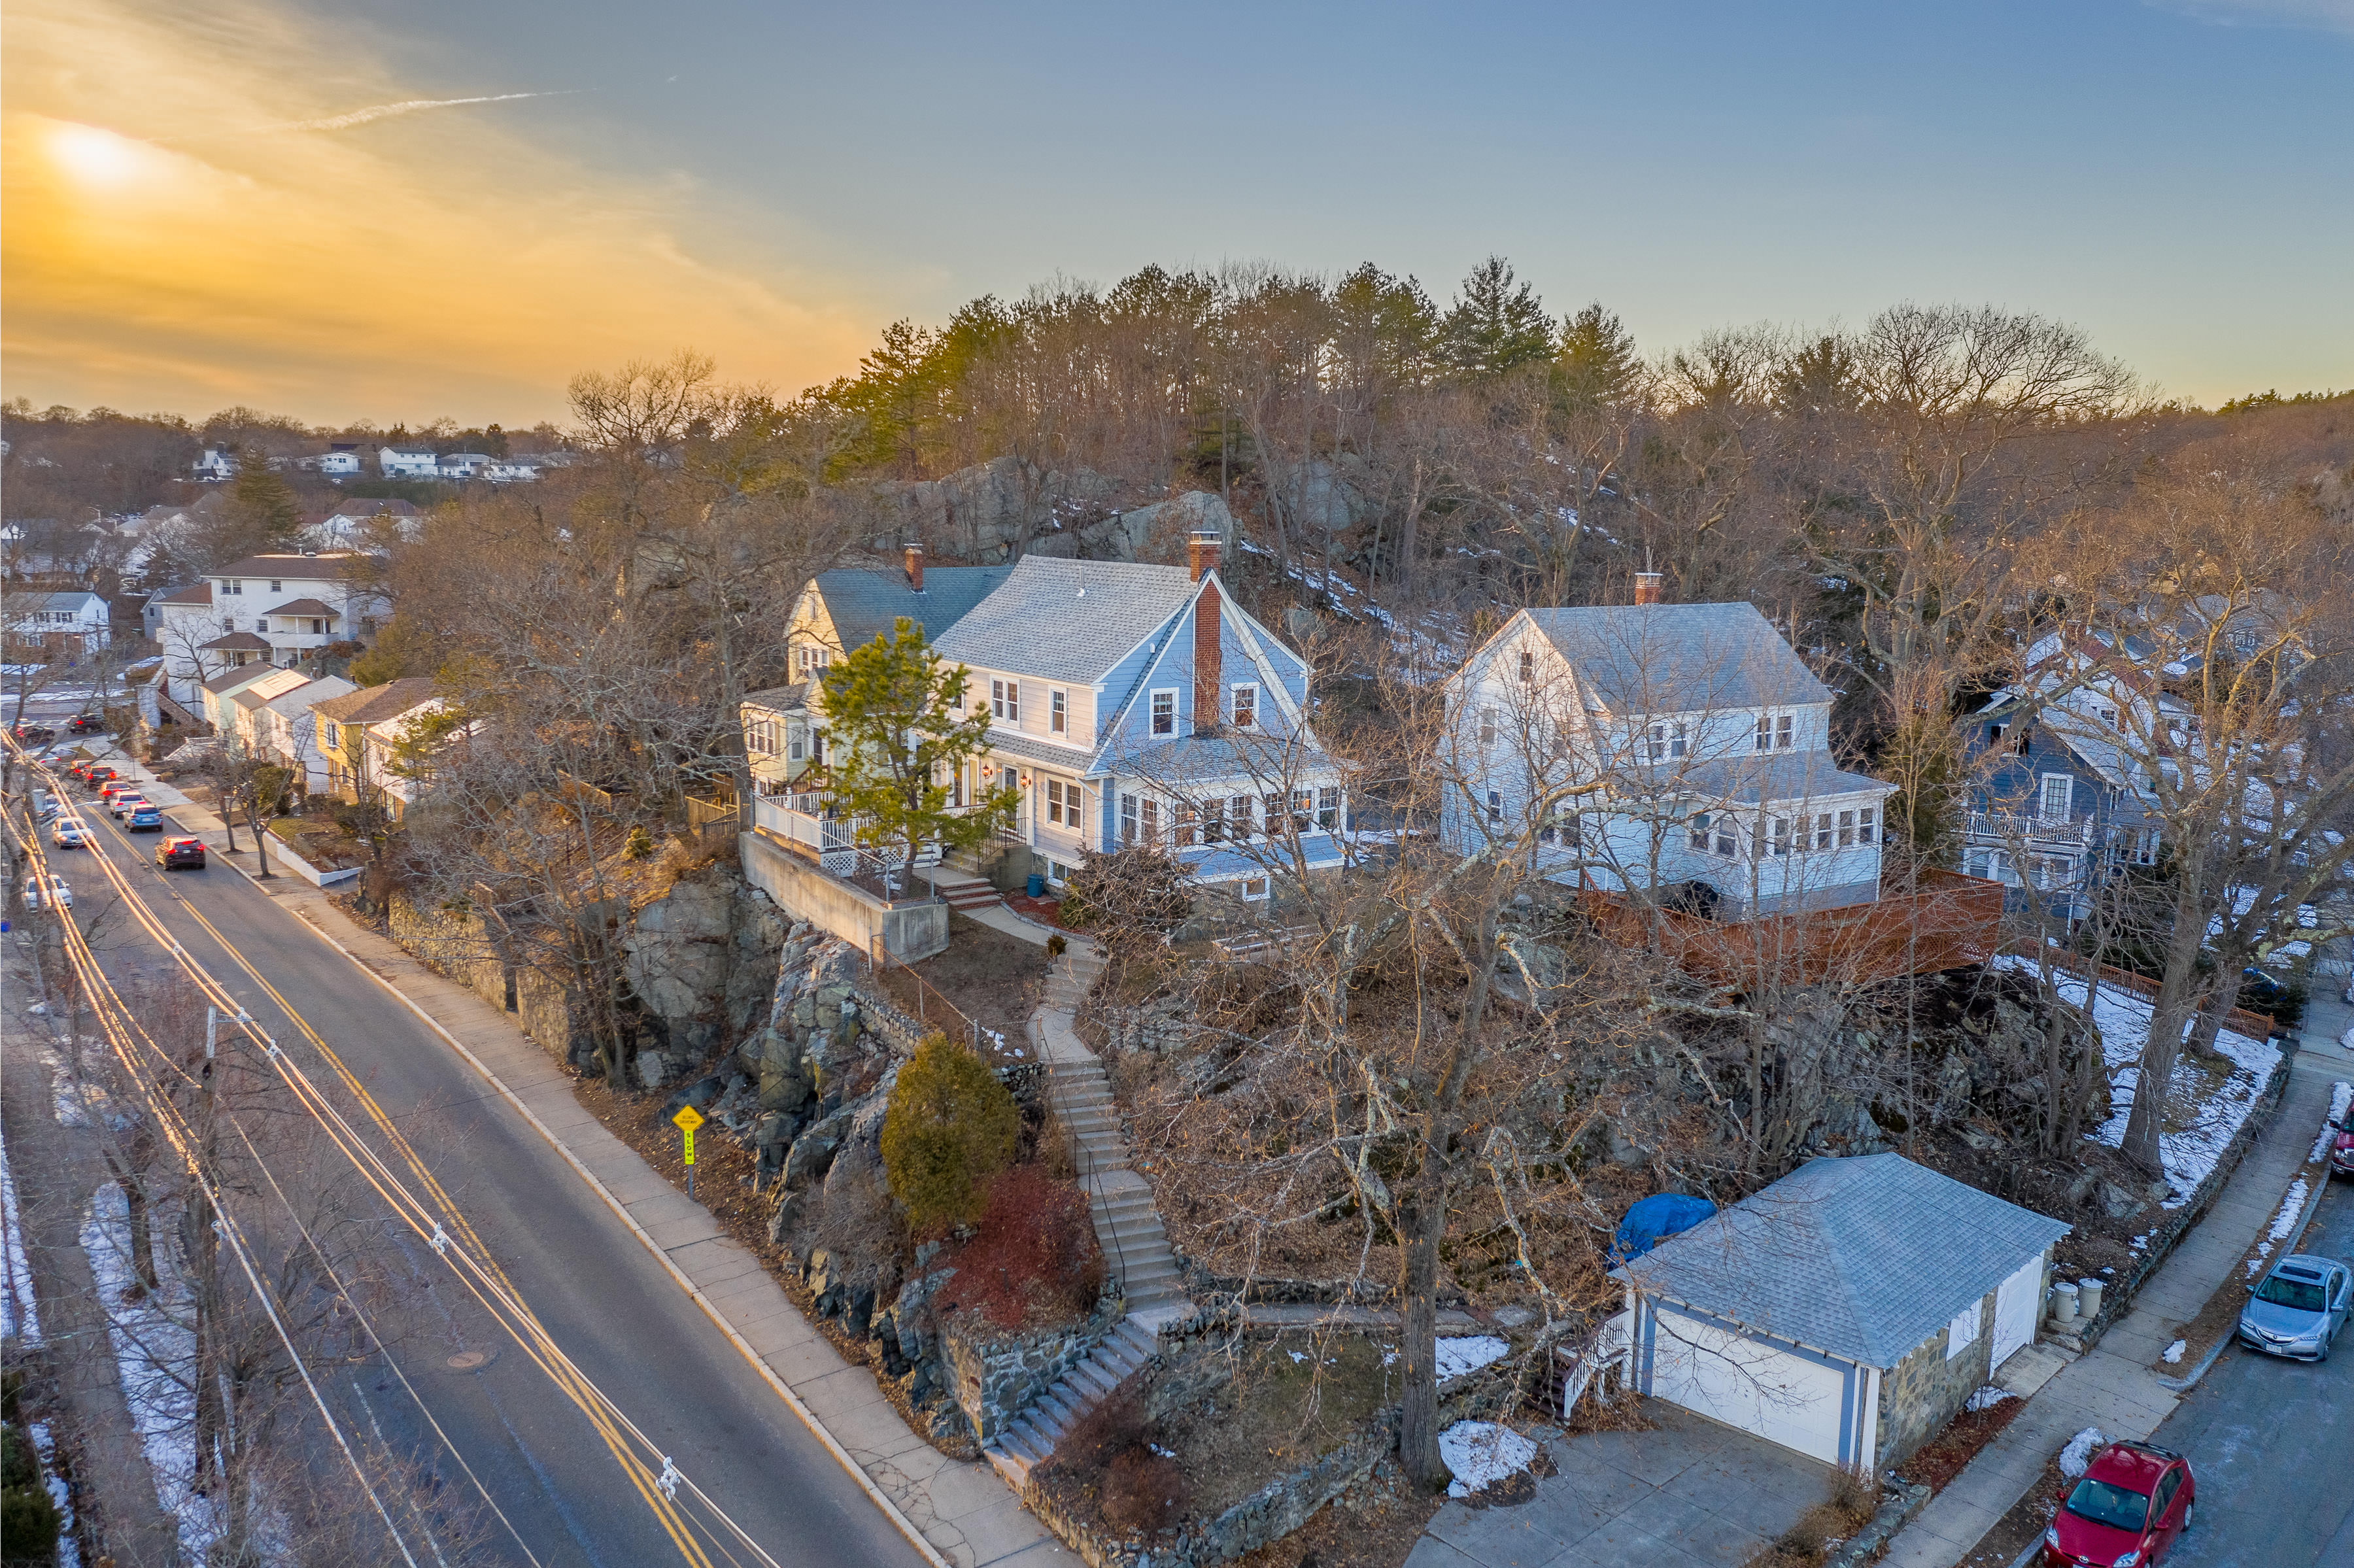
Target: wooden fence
column 2238, row 1021
column 1947, row 922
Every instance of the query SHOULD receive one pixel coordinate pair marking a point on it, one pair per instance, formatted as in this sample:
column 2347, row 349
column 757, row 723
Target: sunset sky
column 270, row 203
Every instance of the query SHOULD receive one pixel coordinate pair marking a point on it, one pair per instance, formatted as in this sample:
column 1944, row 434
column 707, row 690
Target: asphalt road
column 608, row 1303
column 2271, row 1443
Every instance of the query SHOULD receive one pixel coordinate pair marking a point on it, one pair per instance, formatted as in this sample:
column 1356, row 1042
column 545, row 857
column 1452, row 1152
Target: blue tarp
column 1653, row 1220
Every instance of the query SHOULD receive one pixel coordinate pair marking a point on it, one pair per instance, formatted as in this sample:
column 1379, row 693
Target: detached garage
column 1847, row 1311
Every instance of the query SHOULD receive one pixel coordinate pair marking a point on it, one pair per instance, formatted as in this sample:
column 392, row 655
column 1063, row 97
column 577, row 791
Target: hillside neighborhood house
column 65, row 624
column 1681, row 752
column 361, row 739
column 1129, row 704
column 272, row 609
column 422, row 462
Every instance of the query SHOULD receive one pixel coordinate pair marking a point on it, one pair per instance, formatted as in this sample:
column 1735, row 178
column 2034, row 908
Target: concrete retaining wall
column 909, row 930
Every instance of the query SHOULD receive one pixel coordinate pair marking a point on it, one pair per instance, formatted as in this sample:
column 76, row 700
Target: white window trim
column 1058, row 711
column 1151, row 710
column 1234, row 704
column 1963, row 1331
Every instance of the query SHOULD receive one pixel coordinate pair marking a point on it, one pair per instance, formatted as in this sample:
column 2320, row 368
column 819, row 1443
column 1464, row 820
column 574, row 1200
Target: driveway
column 1691, row 1494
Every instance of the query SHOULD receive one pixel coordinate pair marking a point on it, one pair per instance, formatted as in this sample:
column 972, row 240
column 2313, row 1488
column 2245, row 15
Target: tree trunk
column 253, row 820
column 1418, row 1347
column 2177, row 996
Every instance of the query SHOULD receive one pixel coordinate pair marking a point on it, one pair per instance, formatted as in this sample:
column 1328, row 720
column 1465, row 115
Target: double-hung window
column 1181, row 829
column 1149, row 810
column 1245, row 707
column 1846, row 829
column 1698, row 832
column 1058, row 711
column 1666, row 741
column 1214, row 822
column 1528, row 668
column 1495, row 805
column 1005, row 701
column 2055, row 797
column 1128, row 819
column 1728, row 835
column 1774, row 732
column 1239, row 812
column 1823, row 831
column 1062, row 803
column 1327, row 807
column 1779, row 842
column 1487, row 728
column 1277, row 818
column 1303, row 810
column 1164, row 711
column 1864, row 827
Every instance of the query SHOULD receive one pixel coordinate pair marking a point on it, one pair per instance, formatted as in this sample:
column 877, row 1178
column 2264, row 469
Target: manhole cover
column 467, row 1361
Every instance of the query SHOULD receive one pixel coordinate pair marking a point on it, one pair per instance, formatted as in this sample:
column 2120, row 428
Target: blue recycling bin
column 1037, row 888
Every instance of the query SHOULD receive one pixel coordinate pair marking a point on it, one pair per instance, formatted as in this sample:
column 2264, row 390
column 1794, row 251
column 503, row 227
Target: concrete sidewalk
column 961, row 1509
column 2111, row 1386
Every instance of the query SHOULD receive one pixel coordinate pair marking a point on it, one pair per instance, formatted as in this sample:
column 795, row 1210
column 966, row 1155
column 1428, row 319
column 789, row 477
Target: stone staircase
column 963, row 891
column 1135, row 1245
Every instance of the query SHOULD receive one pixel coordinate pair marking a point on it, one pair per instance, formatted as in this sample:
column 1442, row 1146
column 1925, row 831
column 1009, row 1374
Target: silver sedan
column 2298, row 1309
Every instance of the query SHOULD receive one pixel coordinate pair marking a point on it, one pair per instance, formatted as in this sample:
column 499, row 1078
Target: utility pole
column 202, row 1244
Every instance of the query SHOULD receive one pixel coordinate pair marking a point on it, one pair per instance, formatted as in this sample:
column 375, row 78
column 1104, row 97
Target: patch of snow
column 1469, row 1354
column 1990, row 1396
column 2291, row 1206
column 20, row 1310
column 1296, row 1357
column 1482, row 1453
column 2264, row 1250
column 2341, row 1098
column 1164, row 1453
column 2077, row 1457
column 2173, row 1356
column 155, row 1355
column 60, row 1495
column 2190, row 1152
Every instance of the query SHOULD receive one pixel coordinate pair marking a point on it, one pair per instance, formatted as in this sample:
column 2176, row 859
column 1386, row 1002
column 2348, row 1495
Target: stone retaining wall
column 997, row 1375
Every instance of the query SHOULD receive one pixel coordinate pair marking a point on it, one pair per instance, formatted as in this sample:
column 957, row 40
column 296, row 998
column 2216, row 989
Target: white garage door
column 2015, row 1310
column 1782, row 1397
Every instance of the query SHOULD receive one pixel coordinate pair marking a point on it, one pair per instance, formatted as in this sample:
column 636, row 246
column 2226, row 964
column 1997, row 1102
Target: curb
column 809, row 1418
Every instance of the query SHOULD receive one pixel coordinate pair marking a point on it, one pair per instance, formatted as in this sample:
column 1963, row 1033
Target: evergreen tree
column 951, row 1125
column 262, row 515
column 1596, row 366
column 1497, row 324
column 898, row 736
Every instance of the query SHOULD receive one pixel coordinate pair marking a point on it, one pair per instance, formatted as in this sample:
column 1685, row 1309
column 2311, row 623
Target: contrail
column 407, row 106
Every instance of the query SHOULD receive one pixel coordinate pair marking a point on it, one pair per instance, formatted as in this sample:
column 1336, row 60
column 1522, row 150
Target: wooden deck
column 1947, row 922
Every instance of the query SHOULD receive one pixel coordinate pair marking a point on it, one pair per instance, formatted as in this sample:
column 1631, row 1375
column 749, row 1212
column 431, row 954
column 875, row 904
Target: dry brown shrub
column 1033, row 1258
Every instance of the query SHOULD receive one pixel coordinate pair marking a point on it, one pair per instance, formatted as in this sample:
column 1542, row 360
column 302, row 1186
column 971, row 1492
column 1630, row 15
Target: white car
column 69, row 832
column 57, row 895
column 123, row 804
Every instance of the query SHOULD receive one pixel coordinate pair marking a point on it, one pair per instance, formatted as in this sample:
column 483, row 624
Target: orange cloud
column 162, row 252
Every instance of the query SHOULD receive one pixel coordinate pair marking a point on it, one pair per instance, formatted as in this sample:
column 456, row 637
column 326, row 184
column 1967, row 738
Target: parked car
column 33, row 734
column 2298, row 1308
column 98, row 776
column 176, row 854
column 79, row 770
column 109, row 790
column 2341, row 1146
column 2127, row 1508
column 2261, row 990
column 56, row 895
column 69, row 832
column 145, row 818
column 122, row 802
column 85, row 724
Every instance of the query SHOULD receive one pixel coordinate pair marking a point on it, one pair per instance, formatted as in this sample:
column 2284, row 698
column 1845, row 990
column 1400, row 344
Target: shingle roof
column 231, row 679
column 1747, row 780
column 371, row 704
column 1068, row 620
column 1862, row 1258
column 864, row 603
column 199, row 593
column 779, row 699
column 1217, row 758
column 328, row 564
column 237, row 641
column 304, row 606
column 1680, row 658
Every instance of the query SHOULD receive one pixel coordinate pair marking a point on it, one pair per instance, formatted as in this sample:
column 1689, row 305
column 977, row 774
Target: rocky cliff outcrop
column 700, row 962
column 990, row 511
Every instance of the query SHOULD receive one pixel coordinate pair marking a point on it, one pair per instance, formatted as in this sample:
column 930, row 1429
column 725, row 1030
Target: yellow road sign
column 688, row 1118
column 690, row 1148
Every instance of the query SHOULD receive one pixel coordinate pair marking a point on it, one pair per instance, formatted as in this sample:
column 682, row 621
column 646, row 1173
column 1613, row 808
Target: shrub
column 1130, row 896
column 1137, row 1491
column 951, row 1125
column 1033, row 1256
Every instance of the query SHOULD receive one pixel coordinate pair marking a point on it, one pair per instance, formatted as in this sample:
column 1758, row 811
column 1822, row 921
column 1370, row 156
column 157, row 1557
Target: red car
column 2125, row 1512
column 2341, row 1146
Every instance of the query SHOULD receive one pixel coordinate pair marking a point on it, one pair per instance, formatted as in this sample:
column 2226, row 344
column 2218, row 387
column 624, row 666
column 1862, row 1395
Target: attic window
column 1527, row 667
column 1164, row 711
column 1773, row 732
column 1245, row 707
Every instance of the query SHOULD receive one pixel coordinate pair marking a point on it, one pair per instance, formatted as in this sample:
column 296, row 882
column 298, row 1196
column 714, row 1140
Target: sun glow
column 97, row 157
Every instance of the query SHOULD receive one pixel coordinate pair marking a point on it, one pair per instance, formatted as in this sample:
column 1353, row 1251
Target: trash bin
column 2088, row 1297
column 1037, row 888
column 2063, row 1305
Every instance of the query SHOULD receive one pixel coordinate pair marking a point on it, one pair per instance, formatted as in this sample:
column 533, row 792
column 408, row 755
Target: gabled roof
column 1680, row 658
column 237, row 642
column 1862, row 1258
column 304, row 607
column 779, row 699
column 73, row 601
column 327, row 566
column 1229, row 755
column 1068, row 620
column 864, row 603
column 1751, row 779
column 236, row 680
column 372, row 704
column 199, row 593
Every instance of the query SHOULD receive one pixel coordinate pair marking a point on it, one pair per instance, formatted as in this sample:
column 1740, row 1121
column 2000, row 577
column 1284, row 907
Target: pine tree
column 1497, row 324
column 951, row 1125
column 1596, row 366
column 262, row 515
column 898, row 736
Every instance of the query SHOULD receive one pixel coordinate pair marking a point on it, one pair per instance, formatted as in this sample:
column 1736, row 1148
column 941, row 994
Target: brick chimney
column 1647, row 587
column 1208, row 677
column 915, row 567
column 1202, row 552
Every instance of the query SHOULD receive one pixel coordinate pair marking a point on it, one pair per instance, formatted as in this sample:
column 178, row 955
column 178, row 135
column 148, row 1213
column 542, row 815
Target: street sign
column 688, row 1118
